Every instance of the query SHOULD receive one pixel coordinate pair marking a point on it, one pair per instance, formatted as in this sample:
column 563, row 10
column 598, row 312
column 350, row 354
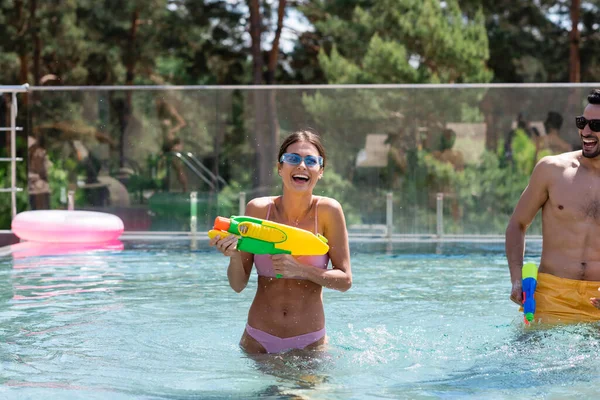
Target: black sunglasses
column 581, row 122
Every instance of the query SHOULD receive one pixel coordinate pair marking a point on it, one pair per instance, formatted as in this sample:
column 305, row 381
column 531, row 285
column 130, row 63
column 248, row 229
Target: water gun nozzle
column 529, row 317
column 222, row 224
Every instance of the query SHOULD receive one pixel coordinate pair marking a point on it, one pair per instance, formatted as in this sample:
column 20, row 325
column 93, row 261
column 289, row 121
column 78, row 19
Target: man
column 551, row 143
column 567, row 189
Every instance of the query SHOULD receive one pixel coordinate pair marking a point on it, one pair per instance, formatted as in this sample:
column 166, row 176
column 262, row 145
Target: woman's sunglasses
column 296, row 159
column 581, row 122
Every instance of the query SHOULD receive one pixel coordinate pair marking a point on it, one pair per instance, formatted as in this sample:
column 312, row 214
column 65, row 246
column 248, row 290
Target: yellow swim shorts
column 561, row 300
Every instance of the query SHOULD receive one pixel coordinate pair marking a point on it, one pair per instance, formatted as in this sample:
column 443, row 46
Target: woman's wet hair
column 305, row 135
column 594, row 97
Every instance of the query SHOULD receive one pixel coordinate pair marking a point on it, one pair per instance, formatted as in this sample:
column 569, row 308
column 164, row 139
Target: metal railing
column 13, row 129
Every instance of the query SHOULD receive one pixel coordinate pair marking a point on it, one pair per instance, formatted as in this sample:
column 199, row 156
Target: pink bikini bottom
column 274, row 344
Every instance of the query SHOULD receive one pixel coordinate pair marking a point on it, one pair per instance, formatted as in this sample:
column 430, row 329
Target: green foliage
column 58, row 180
column 229, row 198
column 477, row 200
column 204, row 43
column 394, row 41
column 488, row 193
column 385, row 62
column 529, row 39
column 338, row 69
column 413, row 41
column 5, row 198
column 333, row 185
column 523, row 151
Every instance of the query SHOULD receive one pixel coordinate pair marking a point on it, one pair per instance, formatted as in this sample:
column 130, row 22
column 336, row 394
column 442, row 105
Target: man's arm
column 533, row 198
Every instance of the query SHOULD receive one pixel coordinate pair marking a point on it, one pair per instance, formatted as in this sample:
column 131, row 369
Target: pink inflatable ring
column 60, row 226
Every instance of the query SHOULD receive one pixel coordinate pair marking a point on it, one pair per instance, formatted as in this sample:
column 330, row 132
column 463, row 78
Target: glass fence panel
column 402, row 160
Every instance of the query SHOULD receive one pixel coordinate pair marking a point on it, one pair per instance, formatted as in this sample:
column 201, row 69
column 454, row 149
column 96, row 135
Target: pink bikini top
column 264, row 265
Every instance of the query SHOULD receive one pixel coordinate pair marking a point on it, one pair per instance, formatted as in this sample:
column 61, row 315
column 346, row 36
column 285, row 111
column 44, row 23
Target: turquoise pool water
column 160, row 322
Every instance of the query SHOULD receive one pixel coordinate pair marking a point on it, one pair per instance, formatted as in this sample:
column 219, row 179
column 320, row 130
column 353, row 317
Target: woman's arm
column 238, row 272
column 240, row 262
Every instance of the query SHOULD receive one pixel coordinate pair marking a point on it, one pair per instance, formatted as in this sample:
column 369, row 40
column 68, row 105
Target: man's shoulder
column 564, row 160
column 553, row 167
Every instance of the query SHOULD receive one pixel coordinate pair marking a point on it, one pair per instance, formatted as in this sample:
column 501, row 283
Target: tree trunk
column 19, row 24
column 272, row 94
column 574, row 41
column 262, row 155
column 34, row 27
column 24, row 68
column 491, row 134
column 575, row 94
column 37, row 43
column 274, row 53
column 255, row 35
column 131, row 52
column 266, row 125
column 131, row 58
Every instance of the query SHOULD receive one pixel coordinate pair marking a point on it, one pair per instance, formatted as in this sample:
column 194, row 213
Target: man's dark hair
column 594, row 97
column 553, row 121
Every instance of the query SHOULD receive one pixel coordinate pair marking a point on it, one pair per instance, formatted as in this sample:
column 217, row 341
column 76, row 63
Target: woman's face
column 300, row 177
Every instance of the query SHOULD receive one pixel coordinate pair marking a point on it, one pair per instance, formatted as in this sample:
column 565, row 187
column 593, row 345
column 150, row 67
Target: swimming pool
column 160, row 322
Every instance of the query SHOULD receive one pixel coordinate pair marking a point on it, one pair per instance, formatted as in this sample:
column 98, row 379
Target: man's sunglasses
column 581, row 122
column 296, row 159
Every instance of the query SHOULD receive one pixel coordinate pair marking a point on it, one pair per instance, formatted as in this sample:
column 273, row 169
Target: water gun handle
column 214, row 232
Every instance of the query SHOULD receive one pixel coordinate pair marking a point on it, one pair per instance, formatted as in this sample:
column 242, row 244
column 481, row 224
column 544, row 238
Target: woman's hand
column 286, row 266
column 226, row 245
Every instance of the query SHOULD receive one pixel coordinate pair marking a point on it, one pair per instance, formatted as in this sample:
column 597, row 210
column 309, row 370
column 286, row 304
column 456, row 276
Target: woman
column 288, row 313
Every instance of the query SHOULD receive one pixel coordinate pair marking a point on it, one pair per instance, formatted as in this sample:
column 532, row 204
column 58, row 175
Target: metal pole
column 63, row 195
column 242, row 203
column 193, row 218
column 71, row 200
column 389, row 214
column 440, row 214
column 13, row 154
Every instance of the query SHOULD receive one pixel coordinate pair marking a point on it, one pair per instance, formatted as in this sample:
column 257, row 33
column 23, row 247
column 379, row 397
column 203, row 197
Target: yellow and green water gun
column 529, row 274
column 260, row 236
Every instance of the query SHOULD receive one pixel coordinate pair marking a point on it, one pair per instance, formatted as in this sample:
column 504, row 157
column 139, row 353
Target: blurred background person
column 551, row 143
column 37, row 174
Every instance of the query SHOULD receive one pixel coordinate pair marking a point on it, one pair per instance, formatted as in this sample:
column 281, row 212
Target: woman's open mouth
column 300, row 178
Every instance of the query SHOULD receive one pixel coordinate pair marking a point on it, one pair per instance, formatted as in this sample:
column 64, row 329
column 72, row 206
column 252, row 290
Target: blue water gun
column 529, row 274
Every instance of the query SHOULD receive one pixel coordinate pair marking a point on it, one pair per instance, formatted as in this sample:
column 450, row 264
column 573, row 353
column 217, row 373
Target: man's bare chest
column 575, row 199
